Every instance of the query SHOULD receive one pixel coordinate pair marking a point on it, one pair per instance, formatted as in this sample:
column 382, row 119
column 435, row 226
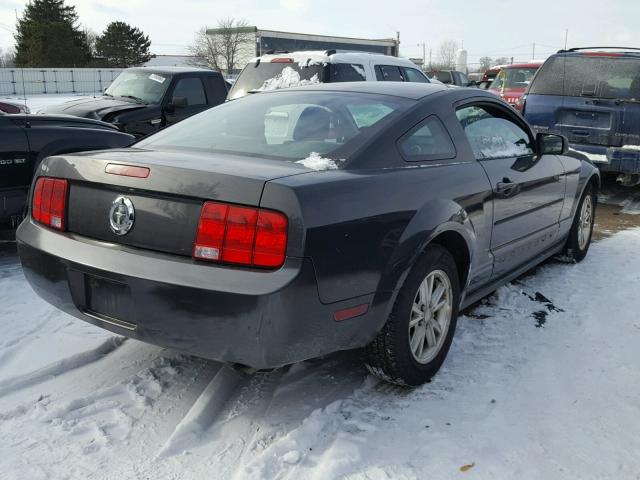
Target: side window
column 463, row 79
column 191, row 89
column 492, row 133
column 413, row 75
column 444, row 77
column 427, row 141
column 389, row 73
column 346, row 72
column 219, row 88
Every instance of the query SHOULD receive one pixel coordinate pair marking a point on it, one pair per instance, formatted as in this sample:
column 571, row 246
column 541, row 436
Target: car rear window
column 611, row 77
column 285, row 125
column 274, row 75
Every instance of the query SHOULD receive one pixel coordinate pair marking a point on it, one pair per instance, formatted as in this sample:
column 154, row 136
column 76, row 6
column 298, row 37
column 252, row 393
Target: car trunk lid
column 168, row 201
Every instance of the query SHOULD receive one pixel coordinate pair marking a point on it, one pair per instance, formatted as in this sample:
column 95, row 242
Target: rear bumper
column 255, row 318
column 612, row 159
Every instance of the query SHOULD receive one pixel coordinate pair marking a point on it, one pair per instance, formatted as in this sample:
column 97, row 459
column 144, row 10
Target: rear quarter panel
column 363, row 231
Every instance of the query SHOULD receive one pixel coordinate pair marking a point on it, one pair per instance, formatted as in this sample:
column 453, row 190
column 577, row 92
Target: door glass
column 413, row 75
column 492, row 134
column 427, row 141
column 389, row 73
column 346, row 72
column 191, row 89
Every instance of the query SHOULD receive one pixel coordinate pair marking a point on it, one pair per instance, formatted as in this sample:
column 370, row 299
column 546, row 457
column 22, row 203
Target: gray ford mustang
column 291, row 224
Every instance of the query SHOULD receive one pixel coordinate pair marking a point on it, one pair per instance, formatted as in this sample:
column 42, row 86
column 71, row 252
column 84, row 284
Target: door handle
column 506, row 187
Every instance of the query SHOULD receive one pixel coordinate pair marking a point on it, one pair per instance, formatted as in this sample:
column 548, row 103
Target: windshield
column 146, row 87
column 263, row 75
column 513, row 78
column 285, row 125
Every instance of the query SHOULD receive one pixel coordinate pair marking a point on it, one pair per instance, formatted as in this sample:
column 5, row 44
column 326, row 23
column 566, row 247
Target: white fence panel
column 30, row 81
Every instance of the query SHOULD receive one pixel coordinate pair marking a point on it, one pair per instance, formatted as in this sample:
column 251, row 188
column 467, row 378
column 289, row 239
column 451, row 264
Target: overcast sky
column 487, row 27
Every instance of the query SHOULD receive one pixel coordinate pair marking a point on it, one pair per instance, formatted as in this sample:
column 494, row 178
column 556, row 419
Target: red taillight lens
column 213, row 219
column 271, row 239
column 282, row 60
column 241, row 235
column 49, row 202
column 238, row 240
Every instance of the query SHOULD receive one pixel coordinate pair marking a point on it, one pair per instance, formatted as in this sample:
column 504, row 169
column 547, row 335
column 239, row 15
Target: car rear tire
column 581, row 231
column 415, row 340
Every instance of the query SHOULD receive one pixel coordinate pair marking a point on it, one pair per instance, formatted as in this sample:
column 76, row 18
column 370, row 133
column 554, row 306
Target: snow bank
column 287, row 78
column 541, row 382
column 315, row 162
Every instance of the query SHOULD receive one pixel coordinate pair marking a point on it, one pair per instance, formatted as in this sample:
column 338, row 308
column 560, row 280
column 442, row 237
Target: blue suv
column 592, row 96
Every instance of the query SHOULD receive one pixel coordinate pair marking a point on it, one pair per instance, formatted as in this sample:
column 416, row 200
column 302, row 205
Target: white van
column 281, row 70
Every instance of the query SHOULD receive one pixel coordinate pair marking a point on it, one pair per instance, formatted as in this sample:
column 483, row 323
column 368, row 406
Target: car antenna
column 24, row 94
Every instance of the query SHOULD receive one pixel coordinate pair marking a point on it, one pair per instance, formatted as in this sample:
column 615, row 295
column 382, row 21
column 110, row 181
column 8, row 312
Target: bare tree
column 223, row 47
column 485, row 63
column 7, row 58
column 501, row 61
column 447, row 53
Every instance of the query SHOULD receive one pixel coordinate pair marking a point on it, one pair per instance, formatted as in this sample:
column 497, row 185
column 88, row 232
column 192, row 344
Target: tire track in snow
column 73, row 362
column 203, row 412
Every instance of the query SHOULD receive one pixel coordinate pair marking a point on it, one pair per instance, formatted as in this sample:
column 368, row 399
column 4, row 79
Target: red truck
column 512, row 81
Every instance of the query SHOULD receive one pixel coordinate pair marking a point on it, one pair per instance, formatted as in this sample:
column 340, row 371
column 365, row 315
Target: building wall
column 267, row 43
column 257, row 42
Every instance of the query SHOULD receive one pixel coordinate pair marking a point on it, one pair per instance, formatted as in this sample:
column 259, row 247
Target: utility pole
column 424, row 55
column 566, row 37
column 397, row 43
column 533, row 54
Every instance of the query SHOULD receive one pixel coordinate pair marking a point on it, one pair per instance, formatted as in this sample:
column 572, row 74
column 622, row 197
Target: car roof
column 601, row 51
column 410, row 90
column 172, row 70
column 522, row 65
column 337, row 56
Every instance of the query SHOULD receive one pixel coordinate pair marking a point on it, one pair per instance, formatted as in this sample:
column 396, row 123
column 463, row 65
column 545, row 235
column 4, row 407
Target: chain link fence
column 31, row 81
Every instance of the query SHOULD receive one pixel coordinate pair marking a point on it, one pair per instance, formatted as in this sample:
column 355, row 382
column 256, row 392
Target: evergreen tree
column 48, row 35
column 122, row 45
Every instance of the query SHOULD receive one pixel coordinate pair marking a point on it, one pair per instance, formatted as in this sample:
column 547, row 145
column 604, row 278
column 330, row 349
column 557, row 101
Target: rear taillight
column 49, row 204
column 241, row 235
column 520, row 104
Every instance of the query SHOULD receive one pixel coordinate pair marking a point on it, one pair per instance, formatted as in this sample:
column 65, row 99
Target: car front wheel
column 579, row 238
column 414, row 342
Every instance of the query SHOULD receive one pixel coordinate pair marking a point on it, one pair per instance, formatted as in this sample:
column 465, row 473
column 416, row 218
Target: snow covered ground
column 542, row 382
column 37, row 102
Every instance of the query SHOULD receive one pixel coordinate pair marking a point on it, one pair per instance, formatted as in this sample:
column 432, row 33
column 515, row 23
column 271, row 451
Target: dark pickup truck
column 26, row 139
column 143, row 100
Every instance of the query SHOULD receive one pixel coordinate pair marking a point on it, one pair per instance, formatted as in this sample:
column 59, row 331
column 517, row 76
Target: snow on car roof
column 337, row 57
column 410, row 90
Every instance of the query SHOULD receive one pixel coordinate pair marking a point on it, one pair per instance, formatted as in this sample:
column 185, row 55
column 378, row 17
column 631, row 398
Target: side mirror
column 176, row 102
column 551, row 144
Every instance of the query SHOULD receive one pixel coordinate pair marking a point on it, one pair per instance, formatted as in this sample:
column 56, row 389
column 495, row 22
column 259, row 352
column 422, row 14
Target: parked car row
column 253, row 233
